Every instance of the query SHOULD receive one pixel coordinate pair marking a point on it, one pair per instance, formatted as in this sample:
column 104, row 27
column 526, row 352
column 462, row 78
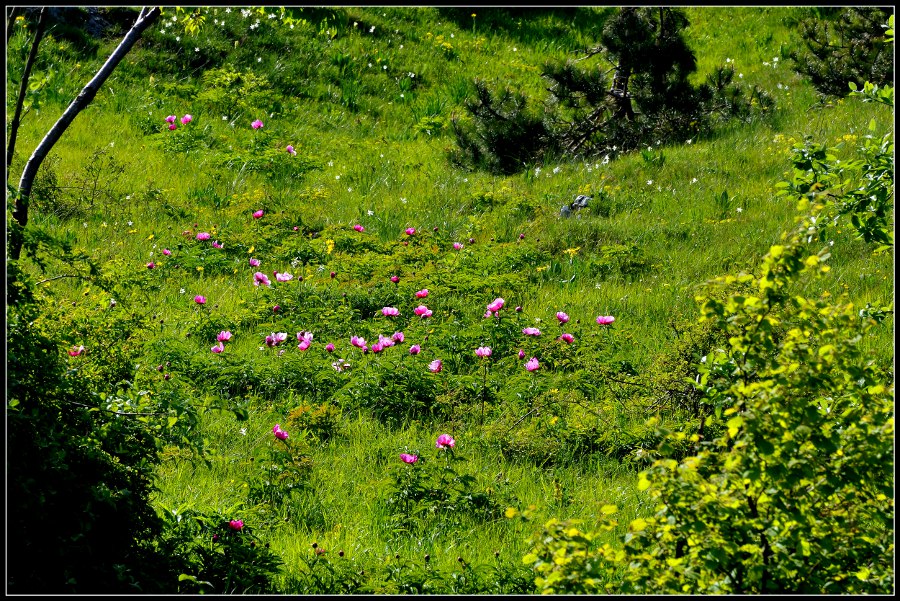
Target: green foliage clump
column 794, row 494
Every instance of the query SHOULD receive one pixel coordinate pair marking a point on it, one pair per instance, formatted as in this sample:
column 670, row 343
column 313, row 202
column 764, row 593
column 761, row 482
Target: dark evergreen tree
column 848, row 47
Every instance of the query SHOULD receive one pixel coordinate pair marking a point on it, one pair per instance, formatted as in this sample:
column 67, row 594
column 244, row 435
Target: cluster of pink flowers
column 223, row 337
column 172, row 118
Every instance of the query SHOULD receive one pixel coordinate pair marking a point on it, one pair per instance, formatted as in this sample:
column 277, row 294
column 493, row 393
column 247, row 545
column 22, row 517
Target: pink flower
column 410, row 231
column 171, row 119
column 308, row 336
column 605, row 320
column 521, row 236
column 496, row 305
column 532, row 364
column 359, row 228
column 385, row 341
column 487, row 314
column 444, row 441
column 216, row 244
column 304, row 344
column 166, row 252
column 76, row 350
column 562, row 317
column 395, row 278
column 186, row 119
column 151, row 265
column 519, row 309
column 435, row 366
column 279, row 433
column 274, row 339
column 173, row 127
column 256, row 124
column 531, row 332
column 377, row 347
column 415, row 349
column 290, row 150
column 398, row 337
column 261, row 278
column 200, row 299
column 521, row 354
column 422, row 311
column 254, row 262
column 567, row 338
column 329, row 347
column 407, row 458
column 258, row 214
column 276, row 308
column 457, row 246
column 483, row 351
column 422, row 293
column 236, row 524
column 390, row 312
column 357, row 341
column 203, row 236
column 218, row 348
column 333, row 275
column 224, row 336
column 284, row 277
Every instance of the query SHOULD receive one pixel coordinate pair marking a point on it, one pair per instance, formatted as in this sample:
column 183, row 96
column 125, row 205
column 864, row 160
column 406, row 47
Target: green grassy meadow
column 365, row 96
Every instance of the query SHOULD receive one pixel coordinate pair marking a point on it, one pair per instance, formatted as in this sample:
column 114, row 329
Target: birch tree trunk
column 145, row 18
column 23, row 89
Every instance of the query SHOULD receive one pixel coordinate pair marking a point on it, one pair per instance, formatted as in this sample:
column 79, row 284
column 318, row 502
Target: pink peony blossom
column 567, row 338
column 562, row 317
column 304, row 344
column 151, row 265
column 274, row 339
column 483, row 351
column 258, row 214
column 377, row 347
column 357, row 341
column 415, row 349
column 385, row 341
column 329, row 347
column 395, row 278
column 521, row 354
column 605, row 320
column 390, row 312
column 290, row 150
column 261, row 278
column 186, row 119
column 410, row 231
column 200, row 299
column 444, row 441
column 217, row 244
column 254, row 262
column 422, row 311
column 532, row 364
column 487, row 314
column 435, row 366
column 173, row 127
column 407, row 458
column 496, row 305
column 224, row 336
column 256, row 124
column 166, row 252
column 236, row 524
column 218, row 348
column 305, row 336
column 519, row 309
column 76, row 350
column 203, row 236
column 284, row 277
column 457, row 246
column 279, row 433
column 521, row 236
column 531, row 332
column 171, row 119
column 359, row 228
column 397, row 337
column 422, row 293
